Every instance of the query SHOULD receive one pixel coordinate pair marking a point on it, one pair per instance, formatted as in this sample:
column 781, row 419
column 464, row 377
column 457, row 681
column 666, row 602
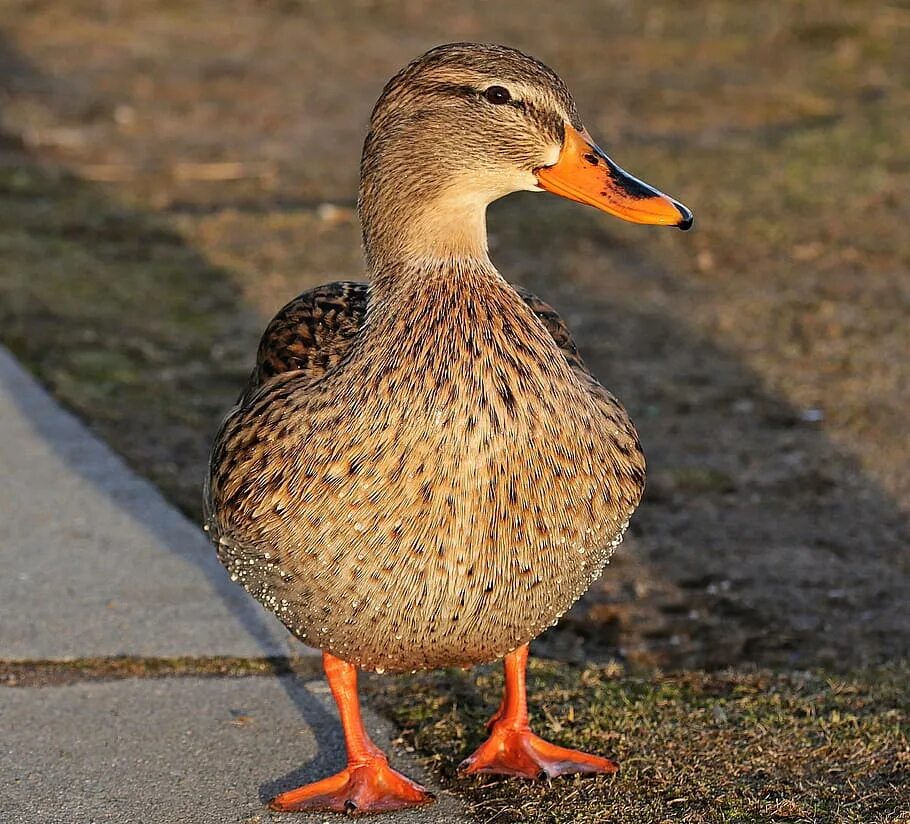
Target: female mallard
column 422, row 473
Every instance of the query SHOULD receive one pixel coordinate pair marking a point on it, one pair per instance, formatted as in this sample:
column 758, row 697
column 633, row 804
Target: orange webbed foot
column 371, row 786
column 519, row 752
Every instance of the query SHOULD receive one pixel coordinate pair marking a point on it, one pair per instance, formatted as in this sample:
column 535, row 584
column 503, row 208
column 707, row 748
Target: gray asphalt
column 96, row 564
column 176, row 751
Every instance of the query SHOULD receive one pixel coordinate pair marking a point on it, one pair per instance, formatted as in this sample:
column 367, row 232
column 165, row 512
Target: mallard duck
column 421, row 472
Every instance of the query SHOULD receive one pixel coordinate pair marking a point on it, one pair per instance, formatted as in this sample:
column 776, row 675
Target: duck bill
column 585, row 174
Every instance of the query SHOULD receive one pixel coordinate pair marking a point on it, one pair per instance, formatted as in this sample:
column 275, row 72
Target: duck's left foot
column 517, row 751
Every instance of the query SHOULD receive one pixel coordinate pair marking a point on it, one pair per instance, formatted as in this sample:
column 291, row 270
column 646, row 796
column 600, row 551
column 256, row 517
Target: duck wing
column 311, row 334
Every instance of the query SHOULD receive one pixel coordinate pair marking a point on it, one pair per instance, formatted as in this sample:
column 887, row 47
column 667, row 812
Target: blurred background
column 171, row 173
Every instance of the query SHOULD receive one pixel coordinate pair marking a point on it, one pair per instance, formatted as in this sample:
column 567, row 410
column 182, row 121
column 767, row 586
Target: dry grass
column 43, row 673
column 693, row 747
column 171, row 174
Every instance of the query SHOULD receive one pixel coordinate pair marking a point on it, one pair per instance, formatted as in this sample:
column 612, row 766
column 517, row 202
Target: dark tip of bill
column 687, row 217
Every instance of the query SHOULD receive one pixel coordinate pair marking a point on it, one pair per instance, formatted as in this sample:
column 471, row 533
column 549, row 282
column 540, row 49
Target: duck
column 422, row 472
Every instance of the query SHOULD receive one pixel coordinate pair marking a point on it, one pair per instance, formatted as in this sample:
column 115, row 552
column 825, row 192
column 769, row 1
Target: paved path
column 96, row 564
column 95, row 561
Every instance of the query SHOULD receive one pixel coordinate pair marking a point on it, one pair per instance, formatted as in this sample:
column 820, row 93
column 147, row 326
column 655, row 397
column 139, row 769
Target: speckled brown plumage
column 422, row 472
column 382, row 509
column 314, row 331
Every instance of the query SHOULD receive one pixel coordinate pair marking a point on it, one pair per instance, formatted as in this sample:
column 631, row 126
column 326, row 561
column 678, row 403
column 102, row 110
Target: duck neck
column 418, row 208
column 406, row 236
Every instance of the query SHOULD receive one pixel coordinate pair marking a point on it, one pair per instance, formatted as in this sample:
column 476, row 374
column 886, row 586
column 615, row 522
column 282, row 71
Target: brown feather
column 422, row 472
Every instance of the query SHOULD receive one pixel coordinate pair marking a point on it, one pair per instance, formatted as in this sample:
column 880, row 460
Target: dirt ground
column 172, row 173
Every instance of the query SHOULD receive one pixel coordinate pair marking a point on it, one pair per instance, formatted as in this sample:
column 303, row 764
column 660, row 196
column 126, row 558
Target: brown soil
column 172, row 173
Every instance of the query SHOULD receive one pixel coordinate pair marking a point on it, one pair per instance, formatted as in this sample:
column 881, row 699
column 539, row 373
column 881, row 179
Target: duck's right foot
column 371, row 786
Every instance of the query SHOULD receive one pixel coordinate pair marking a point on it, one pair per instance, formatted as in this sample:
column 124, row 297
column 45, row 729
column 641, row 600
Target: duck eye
column 497, row 95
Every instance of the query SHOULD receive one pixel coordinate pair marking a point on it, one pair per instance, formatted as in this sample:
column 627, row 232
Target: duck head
column 466, row 124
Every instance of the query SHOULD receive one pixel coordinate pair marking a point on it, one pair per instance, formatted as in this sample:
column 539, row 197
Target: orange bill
column 585, row 174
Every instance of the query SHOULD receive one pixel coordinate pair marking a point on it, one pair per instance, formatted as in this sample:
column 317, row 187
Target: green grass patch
column 693, row 747
column 46, row 673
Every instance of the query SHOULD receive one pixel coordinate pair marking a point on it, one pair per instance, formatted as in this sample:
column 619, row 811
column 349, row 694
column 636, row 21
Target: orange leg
column 512, row 749
column 491, row 721
column 368, row 784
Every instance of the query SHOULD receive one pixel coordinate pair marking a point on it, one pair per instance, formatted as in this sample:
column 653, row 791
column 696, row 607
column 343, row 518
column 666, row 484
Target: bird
column 421, row 471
